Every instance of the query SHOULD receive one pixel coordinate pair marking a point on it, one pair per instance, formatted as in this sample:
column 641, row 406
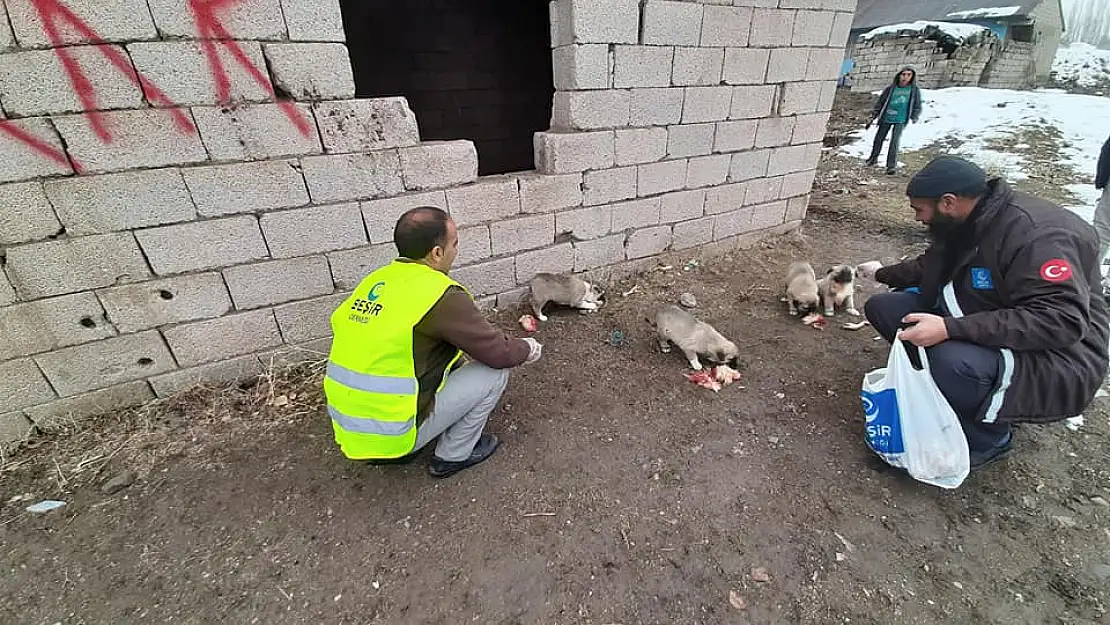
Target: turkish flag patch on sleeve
column 1056, row 270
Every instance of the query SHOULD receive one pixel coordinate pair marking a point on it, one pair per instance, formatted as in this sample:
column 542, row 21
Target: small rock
column 774, row 440
column 760, row 574
column 1028, row 502
column 737, row 601
column 958, row 585
column 1065, row 521
column 840, row 557
column 121, row 481
column 1100, row 501
column 688, row 300
column 281, row 400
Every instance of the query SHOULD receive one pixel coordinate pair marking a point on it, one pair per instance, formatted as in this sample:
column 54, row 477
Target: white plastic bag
column 909, row 423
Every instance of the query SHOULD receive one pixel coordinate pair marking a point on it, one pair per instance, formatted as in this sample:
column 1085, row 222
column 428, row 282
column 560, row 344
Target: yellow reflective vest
column 371, row 383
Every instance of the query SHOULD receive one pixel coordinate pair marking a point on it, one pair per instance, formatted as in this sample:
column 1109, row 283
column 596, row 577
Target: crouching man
column 1010, row 306
column 393, row 382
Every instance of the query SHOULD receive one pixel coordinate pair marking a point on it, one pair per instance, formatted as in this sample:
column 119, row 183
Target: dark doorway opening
column 471, row 69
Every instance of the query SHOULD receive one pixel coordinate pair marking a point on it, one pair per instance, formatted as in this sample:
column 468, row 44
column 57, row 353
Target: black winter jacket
column 884, row 98
column 1029, row 283
column 1103, row 175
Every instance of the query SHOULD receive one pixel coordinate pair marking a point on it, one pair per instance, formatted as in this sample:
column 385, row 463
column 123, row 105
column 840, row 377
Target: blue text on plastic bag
column 884, row 424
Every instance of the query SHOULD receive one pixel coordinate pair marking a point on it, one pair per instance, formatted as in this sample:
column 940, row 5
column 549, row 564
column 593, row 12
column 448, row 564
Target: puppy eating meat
column 838, row 290
column 693, row 337
column 801, row 289
column 564, row 290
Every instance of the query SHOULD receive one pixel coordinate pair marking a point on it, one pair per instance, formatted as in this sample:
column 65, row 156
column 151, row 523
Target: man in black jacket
column 1009, row 309
column 899, row 104
column 1102, row 212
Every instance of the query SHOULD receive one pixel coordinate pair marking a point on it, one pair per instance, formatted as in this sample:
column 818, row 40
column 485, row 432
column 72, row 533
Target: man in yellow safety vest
column 393, row 382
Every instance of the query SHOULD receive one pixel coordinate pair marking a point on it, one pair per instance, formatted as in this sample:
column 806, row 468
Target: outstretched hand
column 927, row 331
column 867, row 270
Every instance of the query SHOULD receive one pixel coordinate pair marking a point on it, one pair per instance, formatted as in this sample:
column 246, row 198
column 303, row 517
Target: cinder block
column 312, row 20
column 182, row 70
column 842, row 27
column 641, row 145
column 745, row 66
column 490, row 278
column 682, row 206
column 309, row 320
column 589, row 110
column 768, row 215
column 84, row 368
column 708, row 171
column 70, row 265
column 122, row 20
column 824, row 64
column 7, row 37
column 245, row 19
column 311, row 71
column 7, row 293
column 648, row 242
column 788, row 160
column 810, row 128
column 21, row 162
column 202, row 245
column 557, row 259
column 799, row 98
column 312, row 230
column 584, row 223
column 219, row 339
column 725, row 198
column 345, row 177
column 41, row 326
column 655, row 178
column 637, row 213
column 439, row 164
column 690, row 140
column 581, row 67
column 749, row 165
column 735, row 136
column 594, row 21
column 35, row 83
column 217, row 374
column 147, row 305
column 564, row 153
column 697, row 66
column 828, row 94
column 511, row 298
column 349, row 267
column 278, row 281
column 525, row 233
column 542, row 194
column 381, row 215
column 669, row 23
column 796, row 208
column 254, row 132
column 15, row 427
column 141, row 138
column 693, row 233
column 488, row 200
column 609, row 185
column 774, row 131
column 752, row 102
column 771, row 27
column 732, row 223
column 22, row 385
column 642, row 66
column 788, row 65
column 798, row 184
column 123, row 201
column 25, row 213
column 364, row 125
column 812, row 28
column 726, row 26
column 656, row 107
column 763, row 190
column 598, row 252
column 706, row 104
column 474, row 245
column 246, row 187
column 69, row 409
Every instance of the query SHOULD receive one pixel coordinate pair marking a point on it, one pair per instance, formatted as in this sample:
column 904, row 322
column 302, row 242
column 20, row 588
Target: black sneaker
column 482, row 451
column 890, row 172
column 984, row 457
column 871, row 162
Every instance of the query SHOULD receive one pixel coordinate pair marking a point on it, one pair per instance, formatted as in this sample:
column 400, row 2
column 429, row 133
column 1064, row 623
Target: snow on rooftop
column 959, row 32
column 985, row 13
column 1084, row 64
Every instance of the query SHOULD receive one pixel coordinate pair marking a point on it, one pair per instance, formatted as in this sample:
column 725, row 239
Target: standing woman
column 899, row 104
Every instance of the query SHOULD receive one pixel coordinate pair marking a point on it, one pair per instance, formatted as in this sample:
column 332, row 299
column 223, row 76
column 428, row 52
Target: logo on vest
column 373, row 295
column 1056, row 270
column 363, row 309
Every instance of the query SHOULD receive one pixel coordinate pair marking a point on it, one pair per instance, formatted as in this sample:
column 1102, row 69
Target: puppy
column 693, row 337
column 548, row 288
column 838, row 289
column 801, row 289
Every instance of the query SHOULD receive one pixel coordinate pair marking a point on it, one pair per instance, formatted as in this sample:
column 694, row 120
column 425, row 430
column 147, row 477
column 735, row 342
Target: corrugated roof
column 874, row 13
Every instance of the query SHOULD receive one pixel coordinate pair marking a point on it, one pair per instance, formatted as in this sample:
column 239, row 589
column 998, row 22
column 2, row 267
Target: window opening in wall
column 1022, row 33
column 471, row 69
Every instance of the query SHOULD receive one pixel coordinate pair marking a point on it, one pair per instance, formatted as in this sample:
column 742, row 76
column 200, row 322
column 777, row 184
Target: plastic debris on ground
column 631, row 291
column 691, row 264
column 617, row 339
column 45, row 506
column 855, row 327
column 528, row 322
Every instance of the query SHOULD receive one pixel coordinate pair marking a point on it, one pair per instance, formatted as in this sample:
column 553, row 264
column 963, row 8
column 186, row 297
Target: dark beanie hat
column 948, row 174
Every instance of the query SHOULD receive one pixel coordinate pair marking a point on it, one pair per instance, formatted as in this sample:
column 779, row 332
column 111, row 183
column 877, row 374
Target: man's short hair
column 419, row 231
column 948, row 174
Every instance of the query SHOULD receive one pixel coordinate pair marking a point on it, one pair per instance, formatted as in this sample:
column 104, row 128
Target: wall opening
column 1022, row 33
column 471, row 69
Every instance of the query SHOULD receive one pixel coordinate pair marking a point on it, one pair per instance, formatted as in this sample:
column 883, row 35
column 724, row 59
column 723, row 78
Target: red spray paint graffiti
column 38, row 145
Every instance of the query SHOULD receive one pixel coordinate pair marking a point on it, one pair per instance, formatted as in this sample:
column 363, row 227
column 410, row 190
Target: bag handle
column 914, row 353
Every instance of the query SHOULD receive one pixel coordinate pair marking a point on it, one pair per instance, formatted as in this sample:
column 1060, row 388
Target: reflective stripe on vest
column 371, row 426
column 385, row 385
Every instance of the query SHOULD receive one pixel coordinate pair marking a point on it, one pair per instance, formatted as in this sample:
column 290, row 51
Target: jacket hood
column 913, row 81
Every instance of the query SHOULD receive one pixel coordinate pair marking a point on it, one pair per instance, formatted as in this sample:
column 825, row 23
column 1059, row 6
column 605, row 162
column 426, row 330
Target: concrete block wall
column 987, row 63
column 189, row 188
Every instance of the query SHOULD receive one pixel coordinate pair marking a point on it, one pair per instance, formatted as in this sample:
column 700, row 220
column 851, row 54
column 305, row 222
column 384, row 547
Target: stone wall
column 986, row 63
column 166, row 219
column 1048, row 31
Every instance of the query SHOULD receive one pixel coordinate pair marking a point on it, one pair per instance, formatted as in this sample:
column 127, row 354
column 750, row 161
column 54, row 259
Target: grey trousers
column 895, row 131
column 462, row 408
column 1102, row 224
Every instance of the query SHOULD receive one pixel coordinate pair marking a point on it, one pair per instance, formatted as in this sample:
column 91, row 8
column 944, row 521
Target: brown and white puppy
column 801, row 289
column 838, row 290
column 693, row 337
column 564, row 290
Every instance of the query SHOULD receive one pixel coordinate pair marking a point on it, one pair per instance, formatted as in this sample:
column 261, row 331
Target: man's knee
column 955, row 363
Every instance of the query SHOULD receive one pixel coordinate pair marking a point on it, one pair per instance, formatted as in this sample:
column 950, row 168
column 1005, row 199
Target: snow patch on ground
column 1084, row 64
column 959, row 32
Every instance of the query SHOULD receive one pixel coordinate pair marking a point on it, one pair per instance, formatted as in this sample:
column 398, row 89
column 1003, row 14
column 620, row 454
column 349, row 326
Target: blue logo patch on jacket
column 981, row 279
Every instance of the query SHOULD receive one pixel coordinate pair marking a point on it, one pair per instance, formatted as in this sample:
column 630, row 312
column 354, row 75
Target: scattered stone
column 688, row 300
column 1028, row 502
column 281, row 400
column 840, row 557
column 1100, row 501
column 121, row 481
column 45, row 506
column 760, row 575
column 958, row 585
column 774, row 440
column 737, row 601
column 1065, row 521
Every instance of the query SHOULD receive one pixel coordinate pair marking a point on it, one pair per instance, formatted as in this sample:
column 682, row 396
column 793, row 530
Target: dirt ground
column 622, row 495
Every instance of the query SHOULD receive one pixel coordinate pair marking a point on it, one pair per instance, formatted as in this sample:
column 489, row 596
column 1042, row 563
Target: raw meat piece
column 528, row 322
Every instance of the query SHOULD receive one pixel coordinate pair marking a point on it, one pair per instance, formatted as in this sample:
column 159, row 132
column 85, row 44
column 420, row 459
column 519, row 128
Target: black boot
column 482, row 451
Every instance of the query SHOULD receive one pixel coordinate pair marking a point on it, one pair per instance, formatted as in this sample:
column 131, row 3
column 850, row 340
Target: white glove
column 867, row 270
column 537, row 349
